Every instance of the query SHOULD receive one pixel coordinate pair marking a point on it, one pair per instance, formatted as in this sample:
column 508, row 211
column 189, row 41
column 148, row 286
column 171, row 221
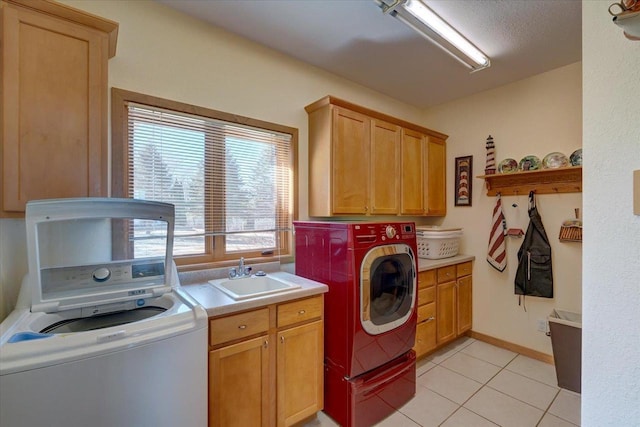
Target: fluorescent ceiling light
column 418, row 16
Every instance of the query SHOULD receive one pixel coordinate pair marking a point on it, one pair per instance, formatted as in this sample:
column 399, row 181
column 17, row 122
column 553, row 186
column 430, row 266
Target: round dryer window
column 387, row 288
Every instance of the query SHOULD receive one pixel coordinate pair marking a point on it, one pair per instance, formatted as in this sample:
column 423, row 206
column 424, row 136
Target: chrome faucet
column 240, row 271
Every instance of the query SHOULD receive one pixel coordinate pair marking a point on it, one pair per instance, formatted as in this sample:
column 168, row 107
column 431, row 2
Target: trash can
column 565, row 328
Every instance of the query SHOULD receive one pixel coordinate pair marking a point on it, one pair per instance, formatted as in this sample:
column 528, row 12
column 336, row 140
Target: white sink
column 252, row 287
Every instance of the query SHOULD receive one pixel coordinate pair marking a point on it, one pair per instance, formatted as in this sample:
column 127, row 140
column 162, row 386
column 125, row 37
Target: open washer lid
column 86, row 252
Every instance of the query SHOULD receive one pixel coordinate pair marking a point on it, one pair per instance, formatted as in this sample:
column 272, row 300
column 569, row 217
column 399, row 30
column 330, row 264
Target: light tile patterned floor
column 474, row 384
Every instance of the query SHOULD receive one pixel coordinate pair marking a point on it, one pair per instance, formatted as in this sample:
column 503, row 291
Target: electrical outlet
column 542, row 325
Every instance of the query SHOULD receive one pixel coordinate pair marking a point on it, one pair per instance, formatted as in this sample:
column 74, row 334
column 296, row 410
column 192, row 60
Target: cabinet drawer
column 426, row 279
column 299, row 311
column 463, row 269
column 446, row 274
column 238, row 326
column 427, row 312
column 426, row 296
column 425, row 338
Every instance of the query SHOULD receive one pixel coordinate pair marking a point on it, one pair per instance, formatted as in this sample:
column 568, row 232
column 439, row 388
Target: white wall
column 611, row 296
column 13, row 262
column 534, row 116
column 164, row 53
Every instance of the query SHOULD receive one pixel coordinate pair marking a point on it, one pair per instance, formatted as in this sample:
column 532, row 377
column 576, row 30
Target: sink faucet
column 240, row 271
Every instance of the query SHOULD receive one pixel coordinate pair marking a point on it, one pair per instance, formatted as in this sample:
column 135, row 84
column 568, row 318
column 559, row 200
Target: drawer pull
column 301, row 312
column 242, row 327
column 430, row 319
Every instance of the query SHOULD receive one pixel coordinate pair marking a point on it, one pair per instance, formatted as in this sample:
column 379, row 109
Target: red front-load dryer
column 370, row 313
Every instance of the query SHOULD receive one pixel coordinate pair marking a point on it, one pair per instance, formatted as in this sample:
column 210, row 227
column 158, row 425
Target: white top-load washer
column 102, row 334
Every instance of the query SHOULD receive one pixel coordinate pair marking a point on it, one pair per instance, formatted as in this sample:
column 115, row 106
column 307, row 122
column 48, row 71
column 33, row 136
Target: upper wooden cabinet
column 54, row 102
column 436, row 177
column 350, row 153
column 385, row 163
column 413, row 182
column 362, row 162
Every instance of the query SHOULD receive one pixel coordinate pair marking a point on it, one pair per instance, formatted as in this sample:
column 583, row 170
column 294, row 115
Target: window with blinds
column 229, row 177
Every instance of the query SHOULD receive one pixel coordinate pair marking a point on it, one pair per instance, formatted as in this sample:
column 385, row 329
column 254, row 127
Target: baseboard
column 534, row 354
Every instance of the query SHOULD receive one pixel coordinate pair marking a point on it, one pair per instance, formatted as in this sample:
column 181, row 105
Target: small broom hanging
column 571, row 230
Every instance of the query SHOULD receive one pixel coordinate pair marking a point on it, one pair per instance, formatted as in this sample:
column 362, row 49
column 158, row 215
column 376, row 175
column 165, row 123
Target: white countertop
column 430, row 264
column 218, row 303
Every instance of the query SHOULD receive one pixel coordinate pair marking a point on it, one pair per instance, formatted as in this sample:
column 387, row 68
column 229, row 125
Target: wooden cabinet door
column 350, row 160
column 464, row 302
column 54, row 100
column 300, row 375
column 412, row 178
column 446, row 311
column 436, row 177
column 239, row 384
column 385, row 168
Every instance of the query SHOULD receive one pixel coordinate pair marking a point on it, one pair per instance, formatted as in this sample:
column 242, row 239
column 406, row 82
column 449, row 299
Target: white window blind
column 230, row 183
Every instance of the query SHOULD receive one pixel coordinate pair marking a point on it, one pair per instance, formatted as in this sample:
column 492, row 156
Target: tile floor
column 474, row 384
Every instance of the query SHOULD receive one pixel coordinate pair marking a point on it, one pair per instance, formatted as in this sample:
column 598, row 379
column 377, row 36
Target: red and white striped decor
column 490, row 168
column 497, row 252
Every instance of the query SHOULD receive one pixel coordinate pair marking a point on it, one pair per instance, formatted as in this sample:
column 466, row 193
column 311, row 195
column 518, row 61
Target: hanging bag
column 534, row 275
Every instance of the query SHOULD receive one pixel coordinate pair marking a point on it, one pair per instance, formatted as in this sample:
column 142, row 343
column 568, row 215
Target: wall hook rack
column 546, row 181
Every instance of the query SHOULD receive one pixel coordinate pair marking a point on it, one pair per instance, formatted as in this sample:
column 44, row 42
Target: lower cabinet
column 446, row 313
column 299, row 373
column 444, row 306
column 239, row 384
column 266, row 365
column 454, row 301
column 464, row 302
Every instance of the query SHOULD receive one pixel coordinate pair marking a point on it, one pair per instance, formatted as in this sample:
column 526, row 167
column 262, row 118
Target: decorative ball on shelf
column 490, row 168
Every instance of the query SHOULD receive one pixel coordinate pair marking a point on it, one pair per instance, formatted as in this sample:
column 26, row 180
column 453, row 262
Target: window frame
column 214, row 255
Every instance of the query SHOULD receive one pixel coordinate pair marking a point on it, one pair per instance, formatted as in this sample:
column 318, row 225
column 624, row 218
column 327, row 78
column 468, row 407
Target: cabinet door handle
column 301, row 312
column 242, row 327
column 282, row 339
column 266, row 343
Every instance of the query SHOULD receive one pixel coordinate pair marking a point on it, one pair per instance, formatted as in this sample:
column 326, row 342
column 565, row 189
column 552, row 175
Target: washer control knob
column 101, row 274
column 390, row 231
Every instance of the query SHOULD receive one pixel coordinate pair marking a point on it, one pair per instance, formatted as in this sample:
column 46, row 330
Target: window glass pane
column 252, row 198
column 231, row 182
column 169, row 167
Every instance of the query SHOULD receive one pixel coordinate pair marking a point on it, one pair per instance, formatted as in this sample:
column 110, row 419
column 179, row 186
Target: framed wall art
column 464, row 179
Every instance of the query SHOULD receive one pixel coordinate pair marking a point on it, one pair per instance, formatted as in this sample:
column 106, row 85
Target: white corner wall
column 611, row 271
column 534, row 116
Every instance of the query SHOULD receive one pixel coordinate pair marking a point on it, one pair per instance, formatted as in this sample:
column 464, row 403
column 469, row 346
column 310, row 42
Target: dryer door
column 387, row 288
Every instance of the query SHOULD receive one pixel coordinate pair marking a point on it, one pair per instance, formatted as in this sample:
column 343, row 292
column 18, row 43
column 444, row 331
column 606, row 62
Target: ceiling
column 355, row 40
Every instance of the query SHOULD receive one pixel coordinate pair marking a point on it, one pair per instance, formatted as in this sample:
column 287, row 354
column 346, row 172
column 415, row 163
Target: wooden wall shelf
column 546, row 181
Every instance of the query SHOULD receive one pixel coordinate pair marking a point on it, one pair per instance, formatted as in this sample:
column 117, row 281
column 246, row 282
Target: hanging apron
column 534, row 276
